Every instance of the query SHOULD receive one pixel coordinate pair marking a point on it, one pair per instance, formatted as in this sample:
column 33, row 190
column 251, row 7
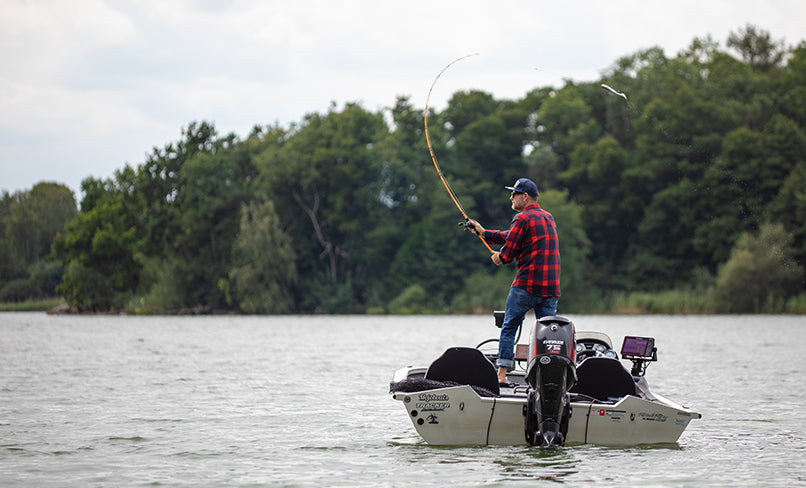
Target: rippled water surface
column 302, row 401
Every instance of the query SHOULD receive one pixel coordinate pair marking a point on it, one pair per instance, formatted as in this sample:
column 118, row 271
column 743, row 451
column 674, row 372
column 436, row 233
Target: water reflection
column 556, row 465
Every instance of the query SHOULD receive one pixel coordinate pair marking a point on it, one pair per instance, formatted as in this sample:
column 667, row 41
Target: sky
column 89, row 86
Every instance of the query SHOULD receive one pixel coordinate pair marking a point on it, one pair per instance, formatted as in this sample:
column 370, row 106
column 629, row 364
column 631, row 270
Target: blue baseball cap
column 524, row 185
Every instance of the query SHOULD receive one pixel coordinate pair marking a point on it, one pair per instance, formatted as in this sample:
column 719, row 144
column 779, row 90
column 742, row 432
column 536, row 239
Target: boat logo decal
column 653, row 417
column 545, row 359
column 431, row 402
column 615, row 415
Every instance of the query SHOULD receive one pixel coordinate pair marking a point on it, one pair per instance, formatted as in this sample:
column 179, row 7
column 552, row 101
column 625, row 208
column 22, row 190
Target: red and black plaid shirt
column 532, row 240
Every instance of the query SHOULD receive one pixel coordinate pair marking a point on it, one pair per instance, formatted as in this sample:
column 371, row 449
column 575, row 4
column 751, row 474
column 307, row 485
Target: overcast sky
column 87, row 86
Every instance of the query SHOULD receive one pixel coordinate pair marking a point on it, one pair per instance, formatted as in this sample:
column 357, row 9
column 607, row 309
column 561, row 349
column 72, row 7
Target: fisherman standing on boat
column 532, row 240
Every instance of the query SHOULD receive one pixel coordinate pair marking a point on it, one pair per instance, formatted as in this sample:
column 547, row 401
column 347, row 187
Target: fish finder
column 641, row 351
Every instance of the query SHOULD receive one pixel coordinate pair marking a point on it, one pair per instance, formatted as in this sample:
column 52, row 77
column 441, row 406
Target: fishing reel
column 467, row 226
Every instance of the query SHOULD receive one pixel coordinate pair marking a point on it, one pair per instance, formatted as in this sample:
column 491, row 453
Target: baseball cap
column 524, row 185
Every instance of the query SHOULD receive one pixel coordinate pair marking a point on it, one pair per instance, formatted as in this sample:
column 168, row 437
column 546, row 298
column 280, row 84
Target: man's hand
column 496, row 257
column 475, row 227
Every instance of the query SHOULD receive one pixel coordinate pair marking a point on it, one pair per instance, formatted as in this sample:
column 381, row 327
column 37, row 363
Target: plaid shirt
column 532, row 240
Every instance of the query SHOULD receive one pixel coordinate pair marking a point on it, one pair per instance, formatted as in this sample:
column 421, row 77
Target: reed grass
column 40, row 305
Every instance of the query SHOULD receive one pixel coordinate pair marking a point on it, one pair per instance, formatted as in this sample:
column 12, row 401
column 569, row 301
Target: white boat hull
column 459, row 416
column 458, row 400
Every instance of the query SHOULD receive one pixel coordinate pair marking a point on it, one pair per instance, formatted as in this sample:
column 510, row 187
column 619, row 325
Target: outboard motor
column 551, row 372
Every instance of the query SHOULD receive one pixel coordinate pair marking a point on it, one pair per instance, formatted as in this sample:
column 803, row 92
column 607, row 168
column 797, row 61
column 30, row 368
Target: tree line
column 690, row 190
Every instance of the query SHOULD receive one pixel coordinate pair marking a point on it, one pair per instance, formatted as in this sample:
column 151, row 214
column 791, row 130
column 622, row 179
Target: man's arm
column 512, row 240
column 490, row 236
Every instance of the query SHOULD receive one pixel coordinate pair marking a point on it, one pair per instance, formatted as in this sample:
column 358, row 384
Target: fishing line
column 653, row 120
column 434, row 158
column 630, row 109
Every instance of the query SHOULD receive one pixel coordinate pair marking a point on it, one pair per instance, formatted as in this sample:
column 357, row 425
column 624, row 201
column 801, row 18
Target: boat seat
column 465, row 366
column 603, row 379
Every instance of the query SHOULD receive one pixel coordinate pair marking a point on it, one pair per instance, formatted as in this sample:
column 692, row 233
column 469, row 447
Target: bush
column 484, row 292
column 164, row 293
column 761, row 274
column 40, row 305
column 85, row 289
column 19, row 290
column 412, row 300
column 46, row 276
column 796, row 305
column 664, row 302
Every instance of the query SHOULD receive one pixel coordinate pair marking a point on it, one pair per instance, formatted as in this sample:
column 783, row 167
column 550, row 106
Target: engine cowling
column 550, row 373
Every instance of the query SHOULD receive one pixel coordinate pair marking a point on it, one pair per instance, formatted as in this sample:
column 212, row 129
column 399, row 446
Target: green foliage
column 29, row 221
column 483, row 292
column 31, row 305
column 19, row 290
column 412, row 300
column 344, row 212
column 796, row 305
column 760, row 274
column 757, row 47
column 324, row 181
column 98, row 254
column 87, row 289
column 575, row 247
column 266, row 272
column 789, row 207
column 681, row 301
column 41, row 282
column 161, row 285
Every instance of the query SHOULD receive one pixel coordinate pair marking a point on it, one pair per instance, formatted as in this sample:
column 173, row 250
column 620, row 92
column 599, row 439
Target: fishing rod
column 466, row 223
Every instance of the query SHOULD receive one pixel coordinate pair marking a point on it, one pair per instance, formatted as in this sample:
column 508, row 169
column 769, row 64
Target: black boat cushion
column 465, row 366
column 603, row 379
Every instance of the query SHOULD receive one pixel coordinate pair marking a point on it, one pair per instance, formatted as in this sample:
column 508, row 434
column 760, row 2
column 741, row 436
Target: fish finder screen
column 638, row 346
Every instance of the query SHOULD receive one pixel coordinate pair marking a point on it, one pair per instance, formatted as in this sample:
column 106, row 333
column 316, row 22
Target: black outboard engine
column 551, row 372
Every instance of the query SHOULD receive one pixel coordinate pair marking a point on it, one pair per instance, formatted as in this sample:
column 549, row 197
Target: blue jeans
column 520, row 301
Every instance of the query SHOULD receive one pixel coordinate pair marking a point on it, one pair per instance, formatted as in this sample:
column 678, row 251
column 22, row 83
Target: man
column 532, row 241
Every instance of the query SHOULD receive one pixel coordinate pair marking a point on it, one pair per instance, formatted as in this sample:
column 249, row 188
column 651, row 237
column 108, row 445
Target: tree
column 32, row 218
column 488, row 152
column 567, row 121
column 575, row 247
column 159, row 182
column 792, row 102
column 324, row 183
column 760, row 274
column 213, row 187
column 599, row 169
column 97, row 253
column 757, row 47
column 743, row 181
column 265, row 269
column 29, row 220
column 789, row 208
column 137, row 231
column 648, row 192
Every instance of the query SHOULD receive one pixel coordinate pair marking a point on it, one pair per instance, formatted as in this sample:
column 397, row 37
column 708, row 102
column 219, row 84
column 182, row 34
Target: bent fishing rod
column 434, row 158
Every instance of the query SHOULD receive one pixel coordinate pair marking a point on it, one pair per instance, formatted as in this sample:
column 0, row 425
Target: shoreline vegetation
column 684, row 198
column 671, row 302
column 39, row 305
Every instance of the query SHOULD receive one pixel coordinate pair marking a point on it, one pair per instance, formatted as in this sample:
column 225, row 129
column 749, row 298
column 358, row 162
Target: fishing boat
column 569, row 387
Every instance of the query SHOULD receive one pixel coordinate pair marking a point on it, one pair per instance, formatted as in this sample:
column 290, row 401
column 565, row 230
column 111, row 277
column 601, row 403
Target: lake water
column 303, row 401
